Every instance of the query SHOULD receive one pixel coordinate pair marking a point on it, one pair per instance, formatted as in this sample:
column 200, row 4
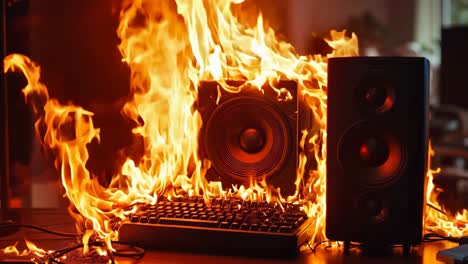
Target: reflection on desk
column 59, row 220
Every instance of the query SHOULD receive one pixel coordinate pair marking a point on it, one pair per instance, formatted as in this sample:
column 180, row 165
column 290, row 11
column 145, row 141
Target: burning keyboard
column 223, row 226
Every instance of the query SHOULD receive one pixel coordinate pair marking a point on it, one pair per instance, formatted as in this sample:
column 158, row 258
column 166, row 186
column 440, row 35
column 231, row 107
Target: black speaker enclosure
column 252, row 117
column 382, row 202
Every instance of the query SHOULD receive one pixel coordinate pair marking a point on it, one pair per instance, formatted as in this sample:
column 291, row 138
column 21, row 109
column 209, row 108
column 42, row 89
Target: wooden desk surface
column 59, row 220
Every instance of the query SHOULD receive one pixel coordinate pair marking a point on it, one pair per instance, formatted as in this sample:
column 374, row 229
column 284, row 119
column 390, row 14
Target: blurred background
column 76, row 45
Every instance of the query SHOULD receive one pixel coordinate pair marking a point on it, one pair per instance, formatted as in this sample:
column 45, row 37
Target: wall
column 318, row 16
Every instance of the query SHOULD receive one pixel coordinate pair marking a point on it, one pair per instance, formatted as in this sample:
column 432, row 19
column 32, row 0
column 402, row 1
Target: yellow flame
column 13, row 250
column 436, row 219
column 34, row 249
column 31, row 249
column 170, row 47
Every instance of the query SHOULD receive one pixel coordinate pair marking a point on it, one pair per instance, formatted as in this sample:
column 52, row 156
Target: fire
column 14, row 251
column 436, row 219
column 32, row 249
column 170, row 47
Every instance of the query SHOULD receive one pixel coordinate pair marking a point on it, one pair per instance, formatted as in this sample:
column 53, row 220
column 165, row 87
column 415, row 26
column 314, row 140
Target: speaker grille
column 247, row 137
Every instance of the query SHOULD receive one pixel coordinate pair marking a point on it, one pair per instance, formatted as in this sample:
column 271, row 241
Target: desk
column 59, row 220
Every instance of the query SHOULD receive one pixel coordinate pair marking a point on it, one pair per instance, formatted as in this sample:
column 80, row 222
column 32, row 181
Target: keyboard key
column 195, row 216
column 245, row 226
column 274, row 228
column 193, row 199
column 224, row 225
column 188, row 222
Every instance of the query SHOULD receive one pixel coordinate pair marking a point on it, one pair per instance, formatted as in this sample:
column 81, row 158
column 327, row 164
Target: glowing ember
column 170, row 47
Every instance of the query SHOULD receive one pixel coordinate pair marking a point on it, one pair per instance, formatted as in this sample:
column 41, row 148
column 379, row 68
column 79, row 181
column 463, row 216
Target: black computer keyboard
column 222, row 226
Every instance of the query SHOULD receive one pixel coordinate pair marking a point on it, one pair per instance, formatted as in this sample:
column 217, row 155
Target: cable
column 314, row 248
column 45, row 230
column 129, row 251
column 310, row 247
column 444, row 213
column 433, row 237
column 320, row 243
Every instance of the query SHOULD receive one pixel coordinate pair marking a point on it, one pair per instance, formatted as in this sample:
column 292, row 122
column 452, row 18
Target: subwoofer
column 252, row 135
column 377, row 144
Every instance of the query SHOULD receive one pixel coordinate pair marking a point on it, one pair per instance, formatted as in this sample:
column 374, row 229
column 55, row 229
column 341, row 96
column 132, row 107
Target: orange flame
column 13, row 250
column 436, row 219
column 170, row 47
column 31, row 249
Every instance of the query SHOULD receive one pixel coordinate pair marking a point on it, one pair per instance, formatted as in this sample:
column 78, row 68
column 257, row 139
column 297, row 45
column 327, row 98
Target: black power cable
column 129, row 250
column 10, row 224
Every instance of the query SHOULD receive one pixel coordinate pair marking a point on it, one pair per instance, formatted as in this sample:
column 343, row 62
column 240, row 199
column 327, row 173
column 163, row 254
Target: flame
column 436, row 219
column 32, row 249
column 170, row 47
column 13, row 250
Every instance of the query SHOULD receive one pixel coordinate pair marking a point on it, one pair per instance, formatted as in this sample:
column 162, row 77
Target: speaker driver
column 375, row 94
column 373, row 153
column 373, row 208
column 247, row 137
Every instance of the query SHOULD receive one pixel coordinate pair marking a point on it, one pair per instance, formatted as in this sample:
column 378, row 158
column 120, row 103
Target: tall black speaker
column 377, row 144
column 252, row 134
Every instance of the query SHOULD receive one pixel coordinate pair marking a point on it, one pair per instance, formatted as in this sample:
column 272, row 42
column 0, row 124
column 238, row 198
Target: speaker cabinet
column 252, row 134
column 377, row 144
